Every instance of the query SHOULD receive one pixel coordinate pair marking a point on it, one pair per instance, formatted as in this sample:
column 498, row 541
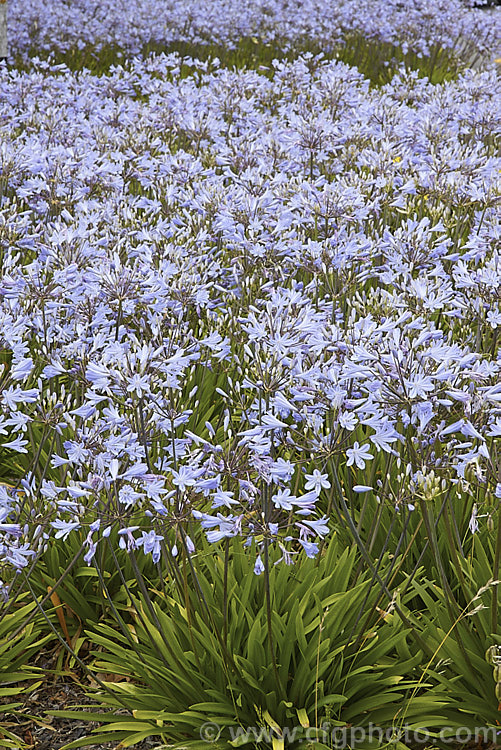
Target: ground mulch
column 62, row 689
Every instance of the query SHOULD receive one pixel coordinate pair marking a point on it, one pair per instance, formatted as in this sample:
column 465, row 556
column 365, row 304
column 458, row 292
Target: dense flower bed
column 223, row 293
column 43, row 27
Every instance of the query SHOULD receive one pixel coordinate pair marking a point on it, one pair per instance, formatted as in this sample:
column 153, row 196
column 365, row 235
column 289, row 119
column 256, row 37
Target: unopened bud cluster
column 427, row 484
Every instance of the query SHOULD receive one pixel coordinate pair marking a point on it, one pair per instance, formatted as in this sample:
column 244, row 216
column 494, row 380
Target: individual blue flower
column 317, row 481
column 358, row 455
column 310, row 548
column 283, row 499
column 138, row 384
column 22, row 369
column 185, row 477
column 318, row 526
column 258, row 566
column 64, row 528
column 18, row 445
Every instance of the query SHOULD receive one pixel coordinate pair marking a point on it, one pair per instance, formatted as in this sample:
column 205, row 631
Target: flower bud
column 492, row 655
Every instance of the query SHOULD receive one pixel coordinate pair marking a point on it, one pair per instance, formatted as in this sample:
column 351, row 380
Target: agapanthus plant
column 231, row 299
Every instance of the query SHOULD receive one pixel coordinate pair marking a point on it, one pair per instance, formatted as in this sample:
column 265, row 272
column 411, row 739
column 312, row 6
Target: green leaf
column 302, row 715
column 93, row 740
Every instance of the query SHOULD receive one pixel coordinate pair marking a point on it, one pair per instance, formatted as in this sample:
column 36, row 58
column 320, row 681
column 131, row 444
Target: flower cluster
column 220, row 291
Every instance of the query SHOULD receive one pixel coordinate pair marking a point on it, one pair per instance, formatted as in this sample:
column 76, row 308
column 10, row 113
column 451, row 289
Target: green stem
column 225, row 589
column 495, row 575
